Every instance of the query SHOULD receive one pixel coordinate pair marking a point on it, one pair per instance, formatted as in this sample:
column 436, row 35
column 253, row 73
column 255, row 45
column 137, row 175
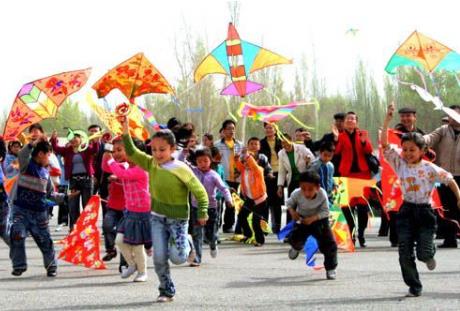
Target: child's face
column 35, row 134
column 411, row 152
column 254, row 146
column 203, row 163
column 326, row 156
column 309, row 190
column 192, row 142
column 206, row 142
column 15, row 149
column 43, row 159
column 299, row 136
column 119, row 153
column 161, row 150
column 287, row 145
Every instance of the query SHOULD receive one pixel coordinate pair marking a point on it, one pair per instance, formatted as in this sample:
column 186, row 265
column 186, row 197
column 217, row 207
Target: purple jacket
column 211, row 182
column 67, row 153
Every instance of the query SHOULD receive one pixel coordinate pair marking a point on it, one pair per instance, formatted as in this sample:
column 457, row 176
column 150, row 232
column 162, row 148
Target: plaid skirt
column 137, row 228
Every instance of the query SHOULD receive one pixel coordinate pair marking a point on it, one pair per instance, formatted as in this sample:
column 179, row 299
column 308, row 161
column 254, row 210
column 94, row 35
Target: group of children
column 155, row 200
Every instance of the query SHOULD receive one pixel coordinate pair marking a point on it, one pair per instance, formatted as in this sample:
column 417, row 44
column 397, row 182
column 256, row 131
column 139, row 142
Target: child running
column 211, row 182
column 134, row 230
column 415, row 221
column 170, row 181
column 309, row 207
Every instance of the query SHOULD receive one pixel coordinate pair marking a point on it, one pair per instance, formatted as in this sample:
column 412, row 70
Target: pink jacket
column 116, row 199
column 135, row 186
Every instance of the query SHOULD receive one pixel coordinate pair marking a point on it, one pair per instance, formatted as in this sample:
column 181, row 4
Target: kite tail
column 300, row 122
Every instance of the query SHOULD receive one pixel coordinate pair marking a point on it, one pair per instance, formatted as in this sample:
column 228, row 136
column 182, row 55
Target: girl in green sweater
column 170, row 182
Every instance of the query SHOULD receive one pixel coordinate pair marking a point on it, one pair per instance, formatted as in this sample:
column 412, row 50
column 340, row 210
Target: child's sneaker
column 127, row 272
column 431, row 264
column 195, row 264
column 412, row 294
column 18, row 272
column 163, row 298
column 110, row 255
column 293, row 254
column 214, row 252
column 51, row 272
column 192, row 255
column 331, row 274
column 141, row 277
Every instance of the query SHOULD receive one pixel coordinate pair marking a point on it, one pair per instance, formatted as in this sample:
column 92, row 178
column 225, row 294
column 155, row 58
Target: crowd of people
column 167, row 196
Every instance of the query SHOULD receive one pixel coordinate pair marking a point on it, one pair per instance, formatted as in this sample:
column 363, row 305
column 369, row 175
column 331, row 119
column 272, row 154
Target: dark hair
column 327, row 146
column 42, row 146
column 310, row 177
column 203, row 153
column 286, row 135
column 300, row 129
column 36, row 126
column 416, row 138
column 12, row 143
column 92, row 126
column 209, row 136
column 214, row 151
column 117, row 140
column 267, row 123
column 139, row 144
column 352, row 113
column 227, row 122
column 339, row 116
column 166, row 135
column 253, row 139
column 455, row 107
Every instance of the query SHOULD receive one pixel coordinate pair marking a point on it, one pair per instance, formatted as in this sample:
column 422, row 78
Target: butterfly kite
column 238, row 59
column 135, row 77
column 41, row 99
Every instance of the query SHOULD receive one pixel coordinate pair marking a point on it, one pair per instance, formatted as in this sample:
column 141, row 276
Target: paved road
column 241, row 278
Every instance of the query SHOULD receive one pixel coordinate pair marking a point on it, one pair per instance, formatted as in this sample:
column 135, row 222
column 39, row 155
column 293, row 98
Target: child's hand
column 390, row 111
column 202, row 221
column 113, row 178
column 335, row 131
column 295, row 216
column 309, row 220
column 280, row 191
column 108, row 155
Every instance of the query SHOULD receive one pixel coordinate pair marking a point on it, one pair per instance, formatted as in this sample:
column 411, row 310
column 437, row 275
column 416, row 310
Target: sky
column 44, row 37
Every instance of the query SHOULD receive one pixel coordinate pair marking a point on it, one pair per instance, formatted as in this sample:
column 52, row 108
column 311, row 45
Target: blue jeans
column 4, row 216
column 416, row 226
column 109, row 226
column 169, row 243
column 210, row 230
column 23, row 221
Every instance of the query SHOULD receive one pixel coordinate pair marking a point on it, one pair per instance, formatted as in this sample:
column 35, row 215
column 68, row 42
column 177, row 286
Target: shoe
column 121, row 268
column 286, row 240
column 127, row 272
column 110, row 255
column 51, row 272
column 141, row 277
column 58, row 228
column 163, row 298
column 293, row 254
column 257, row 244
column 331, row 274
column 431, row 264
column 18, row 272
column 362, row 242
column 412, row 294
column 228, row 230
column 195, row 264
column 192, row 255
column 214, row 252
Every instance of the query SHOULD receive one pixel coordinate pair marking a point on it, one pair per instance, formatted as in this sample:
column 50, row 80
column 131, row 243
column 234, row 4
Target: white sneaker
column 192, row 255
column 127, row 272
column 141, row 277
column 214, row 252
column 58, row 228
column 331, row 274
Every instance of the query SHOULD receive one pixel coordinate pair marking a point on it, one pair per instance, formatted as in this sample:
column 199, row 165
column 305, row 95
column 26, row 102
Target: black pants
column 321, row 231
column 84, row 184
column 416, row 225
column 292, row 186
column 63, row 211
column 229, row 214
column 447, row 229
column 274, row 202
column 393, row 230
column 257, row 211
column 363, row 217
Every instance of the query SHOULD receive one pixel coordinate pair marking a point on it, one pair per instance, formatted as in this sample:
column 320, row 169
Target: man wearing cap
column 446, row 141
column 407, row 120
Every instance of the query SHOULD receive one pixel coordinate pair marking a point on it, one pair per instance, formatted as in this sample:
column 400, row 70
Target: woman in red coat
column 353, row 145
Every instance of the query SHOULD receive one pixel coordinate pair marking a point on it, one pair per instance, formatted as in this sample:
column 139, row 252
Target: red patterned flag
column 81, row 246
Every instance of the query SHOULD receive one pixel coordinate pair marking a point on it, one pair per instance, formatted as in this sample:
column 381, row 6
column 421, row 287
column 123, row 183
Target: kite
column 352, row 188
column 81, row 246
column 135, row 77
column 424, row 53
column 272, row 114
column 339, row 225
column 41, row 99
column 238, row 58
column 352, row 31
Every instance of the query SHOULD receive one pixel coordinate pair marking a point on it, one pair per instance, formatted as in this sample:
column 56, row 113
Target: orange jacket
column 252, row 180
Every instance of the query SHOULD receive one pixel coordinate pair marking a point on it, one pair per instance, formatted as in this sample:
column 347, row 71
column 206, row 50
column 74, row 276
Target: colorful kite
column 41, row 99
column 352, row 188
column 135, row 77
column 81, row 246
column 424, row 53
column 238, row 59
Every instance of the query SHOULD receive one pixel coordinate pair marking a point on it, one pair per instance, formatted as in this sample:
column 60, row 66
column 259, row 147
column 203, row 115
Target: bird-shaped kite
column 424, row 53
column 41, row 99
column 238, row 58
